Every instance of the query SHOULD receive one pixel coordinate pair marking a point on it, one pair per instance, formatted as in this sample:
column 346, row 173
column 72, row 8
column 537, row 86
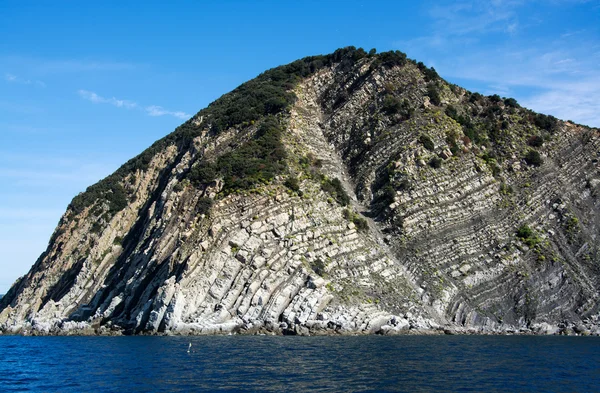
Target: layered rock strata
column 435, row 238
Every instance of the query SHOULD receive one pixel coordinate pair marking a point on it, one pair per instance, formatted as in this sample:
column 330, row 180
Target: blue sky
column 84, row 86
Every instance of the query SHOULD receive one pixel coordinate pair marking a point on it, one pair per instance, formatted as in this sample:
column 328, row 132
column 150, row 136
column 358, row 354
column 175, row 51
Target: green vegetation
column 360, row 222
column 110, row 190
column 391, row 105
column 433, row 92
column 253, row 162
column 505, row 189
column 427, row 142
column 572, row 224
column 535, row 141
column 435, row 162
column 310, row 161
column 545, row 122
column 334, row 188
column 390, row 59
column 292, row 183
column 256, row 161
column 265, row 95
column 430, row 74
column 533, row 158
column 528, row 236
column 490, row 159
column 259, row 101
column 394, row 106
column 202, row 174
column 204, row 204
column 318, row 266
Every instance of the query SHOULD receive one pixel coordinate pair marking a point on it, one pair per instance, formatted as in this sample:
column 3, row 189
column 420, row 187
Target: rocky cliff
column 347, row 193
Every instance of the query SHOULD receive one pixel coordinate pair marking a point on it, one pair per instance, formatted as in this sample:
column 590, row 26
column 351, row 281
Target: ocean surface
column 300, row 364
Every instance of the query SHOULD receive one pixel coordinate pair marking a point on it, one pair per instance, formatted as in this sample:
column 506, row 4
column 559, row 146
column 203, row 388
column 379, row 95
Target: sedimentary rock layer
column 441, row 232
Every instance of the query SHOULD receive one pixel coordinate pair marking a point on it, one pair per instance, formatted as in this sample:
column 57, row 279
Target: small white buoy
column 189, row 348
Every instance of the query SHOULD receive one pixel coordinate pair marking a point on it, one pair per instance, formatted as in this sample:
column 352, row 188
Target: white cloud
column 11, row 78
column 95, row 98
column 564, row 83
column 467, row 17
column 155, row 110
column 151, row 110
column 578, row 102
column 557, row 75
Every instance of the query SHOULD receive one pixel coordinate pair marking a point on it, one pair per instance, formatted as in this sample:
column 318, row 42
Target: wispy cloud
column 151, row 110
column 11, row 78
column 155, row 110
column 95, row 98
column 563, row 82
column 467, row 17
column 556, row 74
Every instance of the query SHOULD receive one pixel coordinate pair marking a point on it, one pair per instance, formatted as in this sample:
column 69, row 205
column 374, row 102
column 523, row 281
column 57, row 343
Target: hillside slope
column 347, row 193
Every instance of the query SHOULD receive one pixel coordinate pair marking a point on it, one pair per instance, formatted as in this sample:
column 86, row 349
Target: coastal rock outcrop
column 342, row 194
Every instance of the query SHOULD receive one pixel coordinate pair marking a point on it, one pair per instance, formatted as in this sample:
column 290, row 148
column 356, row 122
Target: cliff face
column 375, row 198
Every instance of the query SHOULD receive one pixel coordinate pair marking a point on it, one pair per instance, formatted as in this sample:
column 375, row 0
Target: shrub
column 388, row 193
column 392, row 58
column 528, row 236
column 347, row 214
column 203, row 173
column 109, row 189
column 533, row 158
column 204, row 205
column 256, row 161
column 427, row 142
column 511, row 102
column 391, row 105
column 360, row 222
column 506, row 188
column 429, row 74
column 334, row 188
column 435, row 162
column 452, row 112
column 475, row 97
column 318, row 266
column 545, row 122
column 434, row 94
column 572, row 223
column 292, row 183
column 495, row 98
column 535, row 141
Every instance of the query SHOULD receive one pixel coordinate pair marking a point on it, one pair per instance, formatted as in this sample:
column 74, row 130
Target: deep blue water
column 295, row 364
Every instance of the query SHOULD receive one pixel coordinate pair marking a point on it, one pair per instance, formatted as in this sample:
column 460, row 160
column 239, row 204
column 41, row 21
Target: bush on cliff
column 533, row 158
column 334, row 188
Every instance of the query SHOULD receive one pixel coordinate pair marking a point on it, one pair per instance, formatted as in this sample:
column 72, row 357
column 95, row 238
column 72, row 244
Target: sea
column 300, row 364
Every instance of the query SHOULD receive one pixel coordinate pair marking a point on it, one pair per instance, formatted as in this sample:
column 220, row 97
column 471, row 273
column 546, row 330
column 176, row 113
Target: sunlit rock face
column 396, row 203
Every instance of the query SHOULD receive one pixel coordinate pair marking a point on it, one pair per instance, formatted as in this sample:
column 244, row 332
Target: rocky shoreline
column 69, row 328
